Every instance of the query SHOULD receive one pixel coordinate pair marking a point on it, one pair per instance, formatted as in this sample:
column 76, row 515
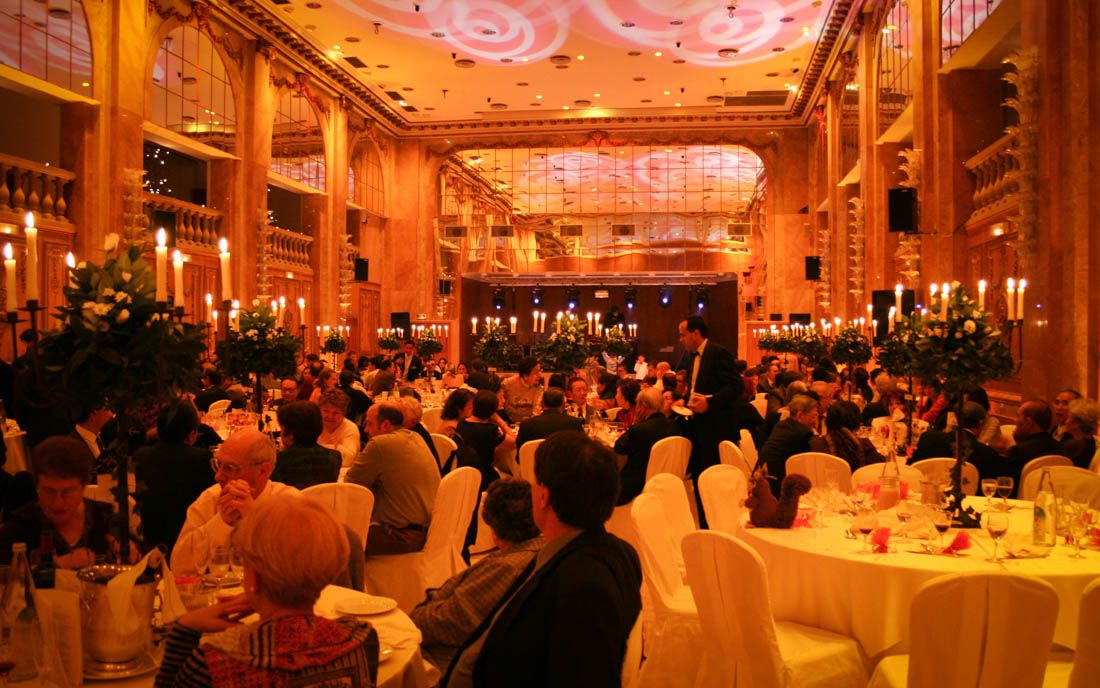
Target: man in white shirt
column 337, row 431
column 243, row 467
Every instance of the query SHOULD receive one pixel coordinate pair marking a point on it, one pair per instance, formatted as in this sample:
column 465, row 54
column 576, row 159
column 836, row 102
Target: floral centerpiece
column 257, row 348
column 335, row 343
column 428, row 344
column 777, row 341
column 494, row 346
column 850, row 347
column 567, row 348
column 615, row 342
column 389, row 341
column 811, row 345
column 115, row 347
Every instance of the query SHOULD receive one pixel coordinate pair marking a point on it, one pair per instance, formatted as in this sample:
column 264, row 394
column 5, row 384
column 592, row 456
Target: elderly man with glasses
column 242, row 469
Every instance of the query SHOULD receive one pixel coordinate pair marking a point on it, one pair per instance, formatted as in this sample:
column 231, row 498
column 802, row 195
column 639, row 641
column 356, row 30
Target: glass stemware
column 1004, row 489
column 236, row 564
column 218, row 566
column 942, row 521
column 904, row 512
column 866, row 521
column 1078, row 528
column 989, row 488
column 997, row 526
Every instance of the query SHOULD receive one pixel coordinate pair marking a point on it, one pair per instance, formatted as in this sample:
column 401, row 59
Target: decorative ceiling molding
column 200, row 15
column 841, row 17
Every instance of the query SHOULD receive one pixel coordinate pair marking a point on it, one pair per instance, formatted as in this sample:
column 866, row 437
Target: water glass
column 1004, row 489
column 1078, row 527
column 989, row 488
column 218, row 566
column 866, row 521
column 904, row 512
column 942, row 521
column 997, row 526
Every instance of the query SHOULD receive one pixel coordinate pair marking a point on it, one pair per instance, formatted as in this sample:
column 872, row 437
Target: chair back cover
column 723, row 490
column 873, row 471
column 760, row 404
column 1086, row 664
column 761, row 395
column 632, row 660
column 674, row 500
column 748, row 448
column 1070, row 482
column 730, row 586
column 669, row 455
column 942, row 466
column 444, row 446
column 217, row 409
column 1000, row 628
column 351, row 504
column 431, row 419
column 731, row 455
column 1036, row 464
column 527, row 460
column 656, row 548
column 822, row 468
column 454, row 507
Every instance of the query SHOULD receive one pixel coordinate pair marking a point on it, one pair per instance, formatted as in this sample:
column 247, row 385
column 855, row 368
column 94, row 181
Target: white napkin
column 171, row 603
column 120, row 591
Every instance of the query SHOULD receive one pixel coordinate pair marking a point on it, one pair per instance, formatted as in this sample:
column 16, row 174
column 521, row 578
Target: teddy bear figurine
column 765, row 511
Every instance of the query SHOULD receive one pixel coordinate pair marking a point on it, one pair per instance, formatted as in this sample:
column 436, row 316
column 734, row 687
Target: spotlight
column 701, row 298
column 498, row 298
column 572, row 298
column 536, row 296
column 666, row 295
column 631, row 298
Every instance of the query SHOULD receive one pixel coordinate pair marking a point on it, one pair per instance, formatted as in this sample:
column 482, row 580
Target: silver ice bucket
column 102, row 641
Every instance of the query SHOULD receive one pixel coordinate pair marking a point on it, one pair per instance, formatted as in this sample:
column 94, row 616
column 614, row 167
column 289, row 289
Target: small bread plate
column 683, row 411
column 365, row 605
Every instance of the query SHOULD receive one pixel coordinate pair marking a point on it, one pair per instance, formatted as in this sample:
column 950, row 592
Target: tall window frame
column 49, row 41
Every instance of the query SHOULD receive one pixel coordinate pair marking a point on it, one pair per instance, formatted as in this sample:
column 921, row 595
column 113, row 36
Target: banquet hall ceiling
column 463, row 60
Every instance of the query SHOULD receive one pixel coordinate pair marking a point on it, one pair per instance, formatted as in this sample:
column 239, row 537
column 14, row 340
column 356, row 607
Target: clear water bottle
column 20, row 626
column 1044, row 526
column 889, row 483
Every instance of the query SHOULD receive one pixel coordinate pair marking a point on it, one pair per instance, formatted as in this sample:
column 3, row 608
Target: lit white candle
column 11, row 305
column 932, row 289
column 1020, row 299
column 591, row 324
column 542, row 321
column 209, row 299
column 379, row 331
column 599, row 330
column 162, row 265
column 473, row 325
column 214, row 317
column 890, row 320
column 945, row 297
column 512, row 322
column 301, row 311
column 897, row 303
column 282, row 311
column 1011, row 288
column 223, row 257
column 446, row 331
column 597, row 316
column 981, row 294
column 235, row 314
column 70, row 263
column 177, row 277
column 31, row 232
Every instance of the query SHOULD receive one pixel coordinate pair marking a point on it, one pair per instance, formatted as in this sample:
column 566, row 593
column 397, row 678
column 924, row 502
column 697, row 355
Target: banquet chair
column 217, row 410
column 677, row 505
column 351, row 504
column 483, row 542
column 744, row 644
column 1037, row 464
column 405, row 577
column 731, row 455
column 632, row 660
column 760, row 395
column 821, row 469
column 444, row 446
column 748, row 448
column 1070, row 482
column 941, row 466
column 431, row 419
column 761, row 406
column 872, row 472
column 672, row 632
column 1084, row 670
column 1001, row 626
column 669, row 455
column 527, row 460
column 723, row 489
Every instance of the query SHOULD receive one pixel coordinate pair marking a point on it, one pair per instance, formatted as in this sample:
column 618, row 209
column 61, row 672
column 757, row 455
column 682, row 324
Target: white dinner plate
column 365, row 605
column 384, row 652
column 683, row 411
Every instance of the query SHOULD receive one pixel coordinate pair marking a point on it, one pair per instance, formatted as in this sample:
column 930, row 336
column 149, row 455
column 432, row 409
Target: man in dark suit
column 935, row 444
column 789, row 437
column 1032, row 435
column 552, row 419
column 713, row 387
column 407, row 364
column 650, row 426
column 568, row 623
column 302, row 462
column 212, row 390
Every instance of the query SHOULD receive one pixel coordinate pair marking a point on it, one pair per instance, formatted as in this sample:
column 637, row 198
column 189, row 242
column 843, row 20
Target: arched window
column 895, row 53
column 191, row 93
column 373, row 187
column 849, row 118
column 48, row 41
column 297, row 144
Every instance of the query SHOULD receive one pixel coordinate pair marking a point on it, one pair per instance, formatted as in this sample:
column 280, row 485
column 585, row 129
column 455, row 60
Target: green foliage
column 850, row 347
column 428, row 345
column 615, row 342
column 567, row 346
column 811, row 345
column 335, row 343
column 257, row 347
column 494, row 346
column 389, row 342
column 777, row 341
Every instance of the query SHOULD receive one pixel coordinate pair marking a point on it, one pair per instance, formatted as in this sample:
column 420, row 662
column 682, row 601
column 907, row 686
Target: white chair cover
column 748, row 448
column 632, row 660
column 351, row 504
column 1086, row 665
column 744, row 644
column 821, row 469
column 1036, row 464
column 723, row 490
column 1069, row 482
column 872, row 472
column 405, row 577
column 731, row 455
column 444, row 446
column 761, row 395
column 431, row 419
column 217, row 409
column 669, row 455
column 761, row 405
column 527, row 460
column 670, row 490
column 942, row 466
column 1000, row 628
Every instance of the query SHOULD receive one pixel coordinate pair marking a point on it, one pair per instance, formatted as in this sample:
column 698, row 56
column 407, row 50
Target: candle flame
column 29, row 219
column 1023, row 284
column 898, row 289
column 7, row 252
column 282, row 301
column 70, row 259
column 1011, row 284
column 177, row 257
column 223, row 245
column 981, row 285
column 301, row 302
column 162, row 237
column 209, row 299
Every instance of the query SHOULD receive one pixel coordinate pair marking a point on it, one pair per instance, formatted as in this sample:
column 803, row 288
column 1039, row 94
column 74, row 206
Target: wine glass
column 218, row 566
column 1078, row 528
column 942, row 521
column 996, row 525
column 904, row 511
column 866, row 521
column 236, row 564
column 1004, row 489
column 989, row 488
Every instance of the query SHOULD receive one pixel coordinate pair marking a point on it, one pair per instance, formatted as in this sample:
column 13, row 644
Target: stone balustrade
column 196, row 226
column 290, row 248
column 993, row 182
column 27, row 186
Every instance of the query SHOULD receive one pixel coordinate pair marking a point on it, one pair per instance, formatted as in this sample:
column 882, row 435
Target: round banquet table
column 819, row 577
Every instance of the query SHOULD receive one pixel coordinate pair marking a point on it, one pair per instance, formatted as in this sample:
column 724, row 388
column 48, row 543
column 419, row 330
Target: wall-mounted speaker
column 902, row 210
column 401, row 320
column 362, row 269
column 813, row 268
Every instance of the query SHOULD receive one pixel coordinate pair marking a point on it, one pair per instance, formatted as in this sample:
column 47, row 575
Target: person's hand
column 235, row 501
column 76, row 559
column 698, row 403
column 217, row 617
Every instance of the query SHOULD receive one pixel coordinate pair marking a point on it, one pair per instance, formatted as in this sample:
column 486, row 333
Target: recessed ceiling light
column 311, row 27
column 668, row 93
column 402, row 103
column 668, row 150
column 627, row 24
column 499, row 106
column 564, row 107
column 336, row 47
column 805, row 31
column 634, row 53
column 382, row 66
column 580, row 57
column 714, row 99
column 438, row 34
column 536, row 104
column 657, row 53
column 406, row 88
column 582, row 102
column 595, row 95
column 429, row 109
column 488, row 32
column 313, row 5
column 561, row 66
column 679, row 60
column 728, row 52
column 778, row 49
column 786, row 20
column 351, row 39
column 677, row 22
column 523, row 59
column 86, row 84
column 772, row 74
column 539, row 97
column 464, row 63
column 521, row 83
column 560, row 59
column 677, row 104
column 646, row 100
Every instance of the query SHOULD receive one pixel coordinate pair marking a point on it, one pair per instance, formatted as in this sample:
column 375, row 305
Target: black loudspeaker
column 401, row 321
column 801, row 318
column 813, row 268
column 362, row 269
column 882, row 300
column 902, row 204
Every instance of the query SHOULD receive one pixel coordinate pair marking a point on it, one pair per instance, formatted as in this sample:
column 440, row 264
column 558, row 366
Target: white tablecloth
column 820, row 578
column 16, row 445
column 405, row 668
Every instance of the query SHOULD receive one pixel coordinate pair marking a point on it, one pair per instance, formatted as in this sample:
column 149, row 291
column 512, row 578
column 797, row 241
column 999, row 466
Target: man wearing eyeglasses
column 242, row 469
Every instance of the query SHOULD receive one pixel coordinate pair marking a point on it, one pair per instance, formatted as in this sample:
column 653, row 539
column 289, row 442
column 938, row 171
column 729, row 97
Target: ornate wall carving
column 908, row 253
column 858, row 237
column 1025, row 150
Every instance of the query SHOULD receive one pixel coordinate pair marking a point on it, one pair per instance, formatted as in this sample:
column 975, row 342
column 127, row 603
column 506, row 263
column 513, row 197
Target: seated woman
column 458, row 406
column 292, row 548
column 840, row 439
column 484, row 432
column 77, row 527
column 326, row 381
column 302, row 462
column 453, row 612
column 626, row 396
column 1079, row 444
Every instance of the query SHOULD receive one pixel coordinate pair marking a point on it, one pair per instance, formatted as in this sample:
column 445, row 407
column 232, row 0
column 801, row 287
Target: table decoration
column 567, row 347
column 428, row 344
column 494, row 346
column 335, row 343
column 959, row 544
column 851, row 349
column 615, row 342
column 811, row 345
column 880, row 541
column 389, row 341
column 258, row 348
column 765, row 511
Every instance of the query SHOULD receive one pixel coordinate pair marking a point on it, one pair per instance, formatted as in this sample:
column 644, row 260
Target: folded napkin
column 880, row 541
column 120, row 590
column 961, row 542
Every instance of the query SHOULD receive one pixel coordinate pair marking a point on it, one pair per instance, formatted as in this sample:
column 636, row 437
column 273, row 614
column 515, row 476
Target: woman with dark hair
column 861, row 380
column 626, row 396
column 484, row 432
column 302, row 462
column 840, row 439
column 458, row 406
column 991, row 428
column 326, row 381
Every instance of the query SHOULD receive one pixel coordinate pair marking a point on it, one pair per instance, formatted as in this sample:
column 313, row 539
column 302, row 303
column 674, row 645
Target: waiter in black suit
column 408, row 365
column 713, row 387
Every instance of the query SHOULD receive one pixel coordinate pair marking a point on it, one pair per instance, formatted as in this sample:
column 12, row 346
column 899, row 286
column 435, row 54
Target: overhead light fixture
column 666, row 296
column 536, row 296
column 631, row 298
column 498, row 298
column 572, row 298
column 702, row 298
